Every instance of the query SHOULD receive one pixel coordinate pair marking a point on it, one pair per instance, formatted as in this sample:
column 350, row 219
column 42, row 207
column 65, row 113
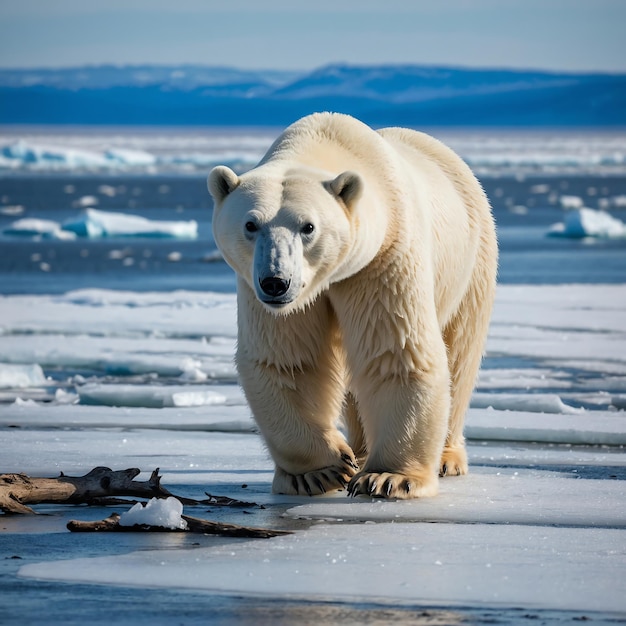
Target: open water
column 524, row 210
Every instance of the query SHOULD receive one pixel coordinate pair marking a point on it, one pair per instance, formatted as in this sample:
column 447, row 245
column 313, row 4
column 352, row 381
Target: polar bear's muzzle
column 277, row 267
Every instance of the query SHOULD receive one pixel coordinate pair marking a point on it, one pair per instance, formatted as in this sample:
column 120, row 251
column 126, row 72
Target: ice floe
column 18, row 376
column 147, row 395
column 36, row 227
column 584, row 222
column 488, row 153
column 94, row 224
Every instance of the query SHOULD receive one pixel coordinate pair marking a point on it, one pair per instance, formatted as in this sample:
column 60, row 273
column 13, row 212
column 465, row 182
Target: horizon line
column 304, row 72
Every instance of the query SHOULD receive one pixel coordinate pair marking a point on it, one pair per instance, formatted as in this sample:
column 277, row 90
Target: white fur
column 385, row 249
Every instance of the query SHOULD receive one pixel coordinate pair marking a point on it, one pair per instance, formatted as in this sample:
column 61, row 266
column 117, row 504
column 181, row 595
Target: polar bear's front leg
column 292, row 372
column 297, row 420
column 405, row 417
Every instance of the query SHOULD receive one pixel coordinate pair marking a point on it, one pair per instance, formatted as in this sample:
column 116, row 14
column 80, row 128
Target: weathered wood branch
column 17, row 491
column 194, row 525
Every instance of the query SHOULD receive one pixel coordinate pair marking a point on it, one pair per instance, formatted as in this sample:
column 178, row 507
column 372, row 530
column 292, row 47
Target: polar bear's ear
column 221, row 181
column 347, row 187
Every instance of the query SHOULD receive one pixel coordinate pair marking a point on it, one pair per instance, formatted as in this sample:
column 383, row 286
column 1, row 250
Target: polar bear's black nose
column 274, row 287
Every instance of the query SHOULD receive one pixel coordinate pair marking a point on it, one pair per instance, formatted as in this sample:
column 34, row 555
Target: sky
column 572, row 35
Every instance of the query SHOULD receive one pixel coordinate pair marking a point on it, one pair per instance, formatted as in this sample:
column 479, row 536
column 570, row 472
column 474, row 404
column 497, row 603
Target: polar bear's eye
column 307, row 229
column 251, row 227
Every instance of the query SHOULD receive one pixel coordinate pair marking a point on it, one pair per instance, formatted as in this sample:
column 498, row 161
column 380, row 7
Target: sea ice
column 94, row 223
column 586, row 222
column 11, row 209
column 21, row 376
column 538, row 523
column 50, row 156
column 148, row 396
column 86, row 201
column 571, row 202
column 162, row 512
column 487, row 153
column 539, row 403
column 126, row 156
column 34, row 227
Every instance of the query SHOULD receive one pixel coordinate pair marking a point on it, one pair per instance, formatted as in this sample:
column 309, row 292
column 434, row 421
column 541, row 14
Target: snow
column 125, row 379
column 163, row 512
column 93, row 224
column 584, row 222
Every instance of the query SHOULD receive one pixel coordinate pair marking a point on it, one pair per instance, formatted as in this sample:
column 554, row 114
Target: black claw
column 407, row 486
column 346, row 458
column 306, row 486
column 372, row 487
column 388, row 486
column 339, row 478
column 444, row 470
column 294, row 483
column 320, row 484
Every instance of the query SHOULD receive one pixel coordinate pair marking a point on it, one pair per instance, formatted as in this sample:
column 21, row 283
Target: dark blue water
column 27, row 265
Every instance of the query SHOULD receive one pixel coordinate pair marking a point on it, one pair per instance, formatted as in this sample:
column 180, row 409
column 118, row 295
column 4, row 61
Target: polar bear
column 366, row 265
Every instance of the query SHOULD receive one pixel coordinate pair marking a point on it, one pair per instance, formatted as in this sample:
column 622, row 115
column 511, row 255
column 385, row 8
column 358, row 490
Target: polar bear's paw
column 453, row 461
column 316, row 482
column 388, row 485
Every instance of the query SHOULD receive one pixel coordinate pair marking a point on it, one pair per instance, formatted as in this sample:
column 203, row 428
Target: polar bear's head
column 288, row 234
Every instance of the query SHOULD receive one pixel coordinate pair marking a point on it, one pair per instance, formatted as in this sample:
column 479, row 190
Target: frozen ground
column 536, row 532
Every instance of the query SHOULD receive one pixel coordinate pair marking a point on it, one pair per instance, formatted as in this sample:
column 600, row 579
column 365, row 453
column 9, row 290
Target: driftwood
column 100, row 486
column 194, row 525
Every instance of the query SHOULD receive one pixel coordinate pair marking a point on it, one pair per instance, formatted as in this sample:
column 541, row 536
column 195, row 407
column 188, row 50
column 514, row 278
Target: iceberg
column 93, row 223
column 585, row 222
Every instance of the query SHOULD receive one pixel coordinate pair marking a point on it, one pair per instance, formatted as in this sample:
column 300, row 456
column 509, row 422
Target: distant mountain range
column 407, row 95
